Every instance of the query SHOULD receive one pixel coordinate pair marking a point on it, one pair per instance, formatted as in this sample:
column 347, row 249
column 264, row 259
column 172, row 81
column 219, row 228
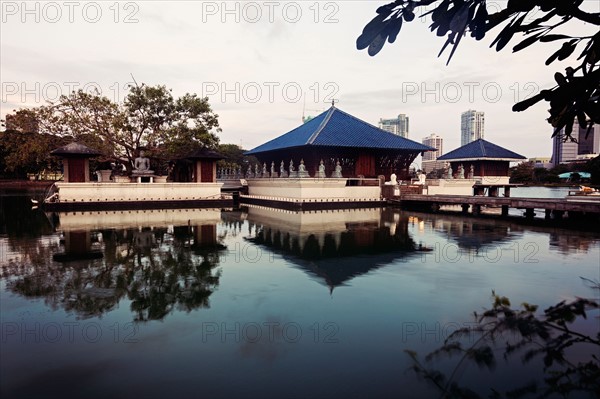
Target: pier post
column 465, row 208
column 558, row 214
column 476, row 209
column 547, row 214
column 504, row 210
column 529, row 213
column 494, row 190
column 575, row 215
column 507, row 191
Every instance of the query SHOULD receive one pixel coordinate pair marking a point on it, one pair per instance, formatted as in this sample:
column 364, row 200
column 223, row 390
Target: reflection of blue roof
column 480, row 149
column 335, row 128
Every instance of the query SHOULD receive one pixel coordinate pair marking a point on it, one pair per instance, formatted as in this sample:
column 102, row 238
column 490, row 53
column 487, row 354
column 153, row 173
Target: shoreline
column 26, row 183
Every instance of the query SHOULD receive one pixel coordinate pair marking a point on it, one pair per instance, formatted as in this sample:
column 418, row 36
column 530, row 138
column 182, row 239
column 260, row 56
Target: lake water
column 263, row 303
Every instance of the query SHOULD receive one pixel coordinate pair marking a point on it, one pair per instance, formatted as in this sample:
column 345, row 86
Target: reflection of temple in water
column 157, row 260
column 476, row 234
column 337, row 245
column 567, row 243
column 468, row 233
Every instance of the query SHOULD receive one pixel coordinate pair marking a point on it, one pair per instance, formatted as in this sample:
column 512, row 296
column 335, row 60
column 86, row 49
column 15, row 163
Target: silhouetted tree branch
column 577, row 92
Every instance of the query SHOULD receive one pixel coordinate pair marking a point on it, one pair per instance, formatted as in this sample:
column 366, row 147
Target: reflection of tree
column 180, row 277
column 24, row 226
column 156, row 270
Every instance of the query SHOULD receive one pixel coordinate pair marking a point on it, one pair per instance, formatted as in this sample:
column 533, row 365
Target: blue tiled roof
column 335, row 128
column 480, row 149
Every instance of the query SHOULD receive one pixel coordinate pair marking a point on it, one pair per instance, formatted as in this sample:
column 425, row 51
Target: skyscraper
column 565, row 151
column 398, row 126
column 436, row 142
column 471, row 126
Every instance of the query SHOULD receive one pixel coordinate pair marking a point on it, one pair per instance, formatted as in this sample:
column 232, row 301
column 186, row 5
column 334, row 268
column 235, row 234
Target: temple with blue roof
column 487, row 159
column 336, row 136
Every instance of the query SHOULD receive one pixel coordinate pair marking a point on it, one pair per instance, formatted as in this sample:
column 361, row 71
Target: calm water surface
column 260, row 302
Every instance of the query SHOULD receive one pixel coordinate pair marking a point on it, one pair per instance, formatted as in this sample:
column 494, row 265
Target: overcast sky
column 259, row 62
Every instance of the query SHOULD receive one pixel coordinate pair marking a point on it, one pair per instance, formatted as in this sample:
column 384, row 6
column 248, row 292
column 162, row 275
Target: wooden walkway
column 553, row 207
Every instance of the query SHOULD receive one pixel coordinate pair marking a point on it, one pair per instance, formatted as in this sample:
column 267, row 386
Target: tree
column 23, row 150
column 593, row 167
column 577, row 92
column 234, row 158
column 512, row 332
column 522, row 173
column 149, row 118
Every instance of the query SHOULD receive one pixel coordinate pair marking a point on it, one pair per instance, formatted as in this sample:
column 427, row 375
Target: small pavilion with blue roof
column 336, row 136
column 488, row 159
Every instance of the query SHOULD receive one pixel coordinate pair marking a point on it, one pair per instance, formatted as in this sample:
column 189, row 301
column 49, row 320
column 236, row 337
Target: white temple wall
column 310, row 188
column 92, row 192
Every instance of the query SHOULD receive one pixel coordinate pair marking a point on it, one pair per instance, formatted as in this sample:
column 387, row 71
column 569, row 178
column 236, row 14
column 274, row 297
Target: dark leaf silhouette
column 502, row 329
column 533, row 20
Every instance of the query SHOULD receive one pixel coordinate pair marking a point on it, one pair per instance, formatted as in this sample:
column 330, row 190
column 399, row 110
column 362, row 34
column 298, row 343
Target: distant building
column 581, row 150
column 397, row 126
column 435, row 141
column 430, row 166
column 541, row 162
column 472, row 125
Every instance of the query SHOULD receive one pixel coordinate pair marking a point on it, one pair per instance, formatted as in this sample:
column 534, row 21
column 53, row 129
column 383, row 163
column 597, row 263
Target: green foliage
column 508, row 331
column 527, row 173
column 593, row 167
column 149, row 118
column 24, row 152
column 576, row 93
column 522, row 173
column 436, row 174
column 234, row 157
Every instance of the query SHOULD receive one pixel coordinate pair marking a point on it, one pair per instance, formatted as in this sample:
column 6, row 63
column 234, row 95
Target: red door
column 77, row 170
column 206, row 171
column 365, row 165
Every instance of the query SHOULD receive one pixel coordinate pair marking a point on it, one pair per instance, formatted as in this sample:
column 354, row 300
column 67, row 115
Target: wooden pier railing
column 552, row 207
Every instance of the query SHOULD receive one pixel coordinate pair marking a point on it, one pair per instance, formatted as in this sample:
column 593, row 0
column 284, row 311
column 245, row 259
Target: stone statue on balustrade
column 292, row 172
column 337, row 173
column 321, row 172
column 249, row 174
column 273, row 173
column 461, row 171
column 256, row 172
column 282, row 172
column 265, row 174
column 471, row 171
column 449, row 172
column 393, row 179
column 302, row 170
